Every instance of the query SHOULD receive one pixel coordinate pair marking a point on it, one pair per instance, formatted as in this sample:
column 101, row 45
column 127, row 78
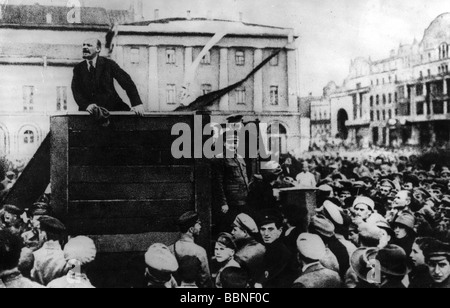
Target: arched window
column 371, row 101
column 277, row 138
column 28, row 137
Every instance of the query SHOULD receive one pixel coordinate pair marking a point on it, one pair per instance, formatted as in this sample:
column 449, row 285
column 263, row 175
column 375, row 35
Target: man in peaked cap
column 161, row 265
column 311, row 249
column 49, row 261
column 244, row 227
column 279, row 263
column 190, row 227
column 437, row 257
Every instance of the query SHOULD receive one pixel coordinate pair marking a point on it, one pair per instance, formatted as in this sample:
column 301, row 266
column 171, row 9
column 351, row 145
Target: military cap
column 321, row 225
column 159, row 258
column 235, row 118
column 227, row 240
column 369, row 231
column 246, row 223
column 412, row 179
column 80, row 248
column 333, row 212
column 325, row 188
column 311, row 246
column 188, row 219
column 270, row 217
column 364, row 200
column 422, row 173
column 272, row 167
column 437, row 249
column 51, row 224
column 12, row 209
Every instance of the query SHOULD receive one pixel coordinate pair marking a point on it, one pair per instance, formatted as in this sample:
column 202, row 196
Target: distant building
column 400, row 100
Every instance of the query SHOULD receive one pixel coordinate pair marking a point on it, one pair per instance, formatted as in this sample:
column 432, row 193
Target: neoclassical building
column 400, row 100
column 39, row 47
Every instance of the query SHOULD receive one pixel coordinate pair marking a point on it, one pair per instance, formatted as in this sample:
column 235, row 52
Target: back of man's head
column 10, row 249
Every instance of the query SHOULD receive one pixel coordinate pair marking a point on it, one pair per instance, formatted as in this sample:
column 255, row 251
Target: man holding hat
column 190, row 227
column 311, row 249
column 437, row 257
column 49, row 260
column 161, row 265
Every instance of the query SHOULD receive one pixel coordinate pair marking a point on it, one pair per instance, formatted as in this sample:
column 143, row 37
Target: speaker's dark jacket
column 99, row 89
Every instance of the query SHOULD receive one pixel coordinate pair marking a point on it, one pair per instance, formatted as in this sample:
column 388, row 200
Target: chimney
column 189, row 15
column 241, row 17
column 156, row 14
column 49, row 18
column 138, row 10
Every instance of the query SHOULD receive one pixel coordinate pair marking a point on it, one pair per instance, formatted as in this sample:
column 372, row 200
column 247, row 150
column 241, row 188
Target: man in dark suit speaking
column 93, row 82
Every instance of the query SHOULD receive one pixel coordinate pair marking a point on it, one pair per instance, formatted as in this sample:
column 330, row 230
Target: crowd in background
column 382, row 220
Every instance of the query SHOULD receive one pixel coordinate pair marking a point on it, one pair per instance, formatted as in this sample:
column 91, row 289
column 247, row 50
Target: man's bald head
column 91, row 48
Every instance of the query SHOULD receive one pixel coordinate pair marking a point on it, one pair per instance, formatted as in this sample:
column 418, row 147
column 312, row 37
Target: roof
column 37, row 15
column 204, row 25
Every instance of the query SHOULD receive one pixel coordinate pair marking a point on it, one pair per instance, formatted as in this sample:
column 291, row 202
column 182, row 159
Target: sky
column 331, row 32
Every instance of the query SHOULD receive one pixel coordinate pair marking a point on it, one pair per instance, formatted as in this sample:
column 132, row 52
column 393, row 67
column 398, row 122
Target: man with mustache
column 93, row 82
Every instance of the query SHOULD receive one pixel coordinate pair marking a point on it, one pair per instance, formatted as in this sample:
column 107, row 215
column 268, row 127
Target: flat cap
column 437, row 249
column 51, row 224
column 235, row 118
column 13, row 209
column 364, row 200
column 188, row 219
column 322, row 226
column 159, row 258
column 246, row 223
column 311, row 246
column 80, row 248
column 333, row 212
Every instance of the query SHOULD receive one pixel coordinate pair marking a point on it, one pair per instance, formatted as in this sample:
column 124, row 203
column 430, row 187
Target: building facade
column 400, row 100
column 39, row 46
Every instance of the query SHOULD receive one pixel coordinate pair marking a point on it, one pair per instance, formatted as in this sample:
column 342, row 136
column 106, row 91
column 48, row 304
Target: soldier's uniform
column 230, row 187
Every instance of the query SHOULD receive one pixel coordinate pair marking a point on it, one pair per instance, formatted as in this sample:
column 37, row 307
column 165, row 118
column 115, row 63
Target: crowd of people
column 381, row 220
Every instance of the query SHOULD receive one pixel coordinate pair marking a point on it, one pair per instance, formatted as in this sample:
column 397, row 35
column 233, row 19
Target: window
column 419, row 90
column 390, row 79
column 396, row 112
column 28, row 98
column 371, row 101
column 390, row 98
column 371, row 82
column 378, row 82
column 274, row 95
column 378, row 115
column 28, row 137
column 206, row 88
column 135, row 55
column 384, row 99
column 277, row 138
column 61, row 98
column 396, row 97
column 419, row 108
column 384, row 115
column 240, row 58
column 390, row 114
column 420, row 74
column 371, row 116
column 429, row 73
column 274, row 61
column 378, row 100
column 171, row 94
column 206, row 60
column 170, row 56
column 240, row 96
column 443, row 51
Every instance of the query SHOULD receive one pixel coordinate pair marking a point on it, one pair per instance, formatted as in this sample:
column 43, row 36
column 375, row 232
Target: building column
column 258, row 83
column 358, row 102
column 223, row 79
column 445, row 94
column 415, row 135
column 406, row 91
column 187, row 58
column 153, row 86
column 380, row 135
column 292, row 80
column 413, row 101
column 445, row 88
